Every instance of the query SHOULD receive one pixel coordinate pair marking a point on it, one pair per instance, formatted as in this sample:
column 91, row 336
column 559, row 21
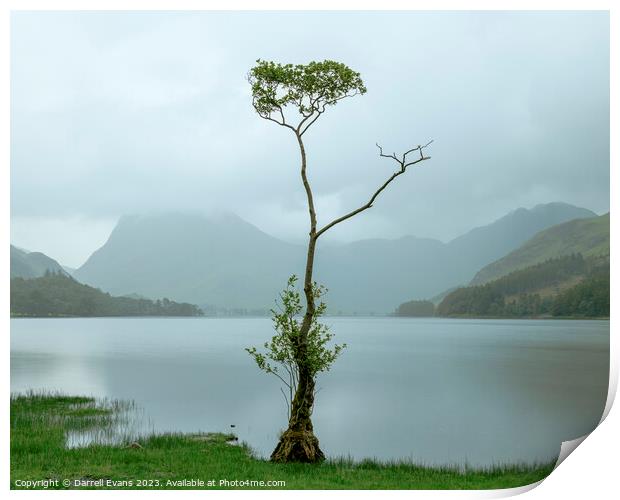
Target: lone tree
column 298, row 351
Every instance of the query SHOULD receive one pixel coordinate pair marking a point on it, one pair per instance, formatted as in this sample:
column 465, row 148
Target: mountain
column 565, row 286
column 589, row 237
column 364, row 276
column 224, row 262
column 69, row 270
column 31, row 264
column 56, row 294
column 486, row 244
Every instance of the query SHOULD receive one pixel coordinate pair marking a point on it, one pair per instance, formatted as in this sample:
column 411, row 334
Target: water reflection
column 124, row 424
column 435, row 391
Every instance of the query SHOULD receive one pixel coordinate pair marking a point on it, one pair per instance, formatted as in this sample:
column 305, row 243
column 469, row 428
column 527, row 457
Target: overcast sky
column 124, row 113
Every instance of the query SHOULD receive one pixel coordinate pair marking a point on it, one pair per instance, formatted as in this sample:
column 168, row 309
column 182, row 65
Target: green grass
column 40, row 424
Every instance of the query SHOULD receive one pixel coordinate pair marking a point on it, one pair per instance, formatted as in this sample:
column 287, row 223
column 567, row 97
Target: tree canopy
column 309, row 88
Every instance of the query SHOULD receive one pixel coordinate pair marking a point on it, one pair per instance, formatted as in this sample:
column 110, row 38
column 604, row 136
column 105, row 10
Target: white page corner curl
column 567, row 448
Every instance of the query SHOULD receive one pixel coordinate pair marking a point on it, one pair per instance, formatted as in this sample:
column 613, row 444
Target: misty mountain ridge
column 225, row 262
column 28, row 265
column 209, row 259
column 588, row 237
column 420, row 268
column 565, row 286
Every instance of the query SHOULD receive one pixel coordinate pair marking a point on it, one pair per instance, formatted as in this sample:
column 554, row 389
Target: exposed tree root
column 298, row 446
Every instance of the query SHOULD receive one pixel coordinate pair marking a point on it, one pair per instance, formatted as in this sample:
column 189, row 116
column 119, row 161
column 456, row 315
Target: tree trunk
column 298, row 443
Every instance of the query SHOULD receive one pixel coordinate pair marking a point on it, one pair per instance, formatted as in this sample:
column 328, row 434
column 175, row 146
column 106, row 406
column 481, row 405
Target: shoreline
column 41, row 421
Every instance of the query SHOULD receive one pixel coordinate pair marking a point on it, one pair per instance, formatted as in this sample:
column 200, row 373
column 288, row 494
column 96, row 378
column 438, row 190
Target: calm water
column 432, row 390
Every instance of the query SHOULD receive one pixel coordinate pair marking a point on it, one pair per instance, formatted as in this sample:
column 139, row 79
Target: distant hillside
column 56, row 294
column 31, row 264
column 365, row 276
column 224, row 262
column 565, row 286
column 589, row 237
column 221, row 261
column 416, row 309
column 485, row 244
column 590, row 298
column 69, row 270
column 436, row 300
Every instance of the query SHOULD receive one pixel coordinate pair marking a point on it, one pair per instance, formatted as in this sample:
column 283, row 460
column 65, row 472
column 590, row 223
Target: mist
column 144, row 113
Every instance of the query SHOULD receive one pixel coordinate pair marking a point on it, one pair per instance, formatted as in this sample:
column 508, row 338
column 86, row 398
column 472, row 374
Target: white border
column 590, row 472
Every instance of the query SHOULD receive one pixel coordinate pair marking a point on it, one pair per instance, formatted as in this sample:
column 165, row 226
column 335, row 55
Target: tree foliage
column 308, row 88
column 590, row 298
column 287, row 345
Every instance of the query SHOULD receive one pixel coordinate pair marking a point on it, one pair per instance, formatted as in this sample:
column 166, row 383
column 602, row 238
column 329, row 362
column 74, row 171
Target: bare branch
column 267, row 116
column 281, row 379
column 302, row 132
column 319, row 107
column 393, row 155
column 403, row 168
column 288, row 405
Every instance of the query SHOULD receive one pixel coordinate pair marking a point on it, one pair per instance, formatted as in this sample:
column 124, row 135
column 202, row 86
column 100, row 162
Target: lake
column 438, row 391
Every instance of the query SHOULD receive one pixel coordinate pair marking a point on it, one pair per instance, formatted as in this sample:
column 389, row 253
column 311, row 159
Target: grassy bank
column 40, row 425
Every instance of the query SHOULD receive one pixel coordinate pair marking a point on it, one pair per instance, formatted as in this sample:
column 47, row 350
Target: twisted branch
column 402, row 161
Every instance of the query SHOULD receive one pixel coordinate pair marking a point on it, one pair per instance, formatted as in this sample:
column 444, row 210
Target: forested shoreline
column 59, row 295
column 565, row 287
